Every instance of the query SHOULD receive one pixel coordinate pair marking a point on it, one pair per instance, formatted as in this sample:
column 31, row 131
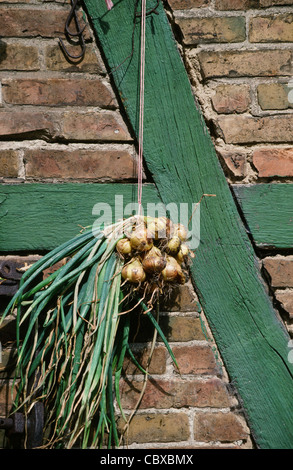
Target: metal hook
column 79, row 56
column 152, row 10
column 68, row 33
column 72, row 15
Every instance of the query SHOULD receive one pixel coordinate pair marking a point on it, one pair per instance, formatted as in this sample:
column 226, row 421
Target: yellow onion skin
column 159, row 227
column 180, row 231
column 124, row 246
column 184, row 248
column 173, row 272
column 173, row 245
column 153, row 261
column 152, row 229
column 182, row 253
column 141, row 239
column 134, row 272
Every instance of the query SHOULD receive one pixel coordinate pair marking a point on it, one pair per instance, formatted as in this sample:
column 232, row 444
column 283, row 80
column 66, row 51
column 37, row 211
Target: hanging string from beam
column 141, row 108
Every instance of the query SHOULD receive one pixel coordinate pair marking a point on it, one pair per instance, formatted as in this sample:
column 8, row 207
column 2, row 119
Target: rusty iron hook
column 73, row 15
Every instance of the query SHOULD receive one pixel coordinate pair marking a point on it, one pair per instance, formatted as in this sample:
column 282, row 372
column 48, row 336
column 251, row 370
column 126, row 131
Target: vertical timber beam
column 180, row 155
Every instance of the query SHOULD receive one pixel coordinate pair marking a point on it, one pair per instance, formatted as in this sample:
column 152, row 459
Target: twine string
column 141, row 108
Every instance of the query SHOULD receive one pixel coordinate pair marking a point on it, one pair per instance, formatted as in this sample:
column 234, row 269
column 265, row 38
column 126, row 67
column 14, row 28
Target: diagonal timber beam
column 180, row 155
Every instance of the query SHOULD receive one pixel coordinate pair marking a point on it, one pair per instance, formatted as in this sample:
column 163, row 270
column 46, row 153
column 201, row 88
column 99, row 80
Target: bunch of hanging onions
column 155, row 254
column 76, row 330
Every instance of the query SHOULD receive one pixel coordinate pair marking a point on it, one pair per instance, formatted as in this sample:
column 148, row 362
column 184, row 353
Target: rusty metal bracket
column 11, row 271
column 14, row 425
column 28, row 430
column 9, row 277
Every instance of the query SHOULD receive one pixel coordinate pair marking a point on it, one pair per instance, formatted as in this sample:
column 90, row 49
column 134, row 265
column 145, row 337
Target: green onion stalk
column 72, row 328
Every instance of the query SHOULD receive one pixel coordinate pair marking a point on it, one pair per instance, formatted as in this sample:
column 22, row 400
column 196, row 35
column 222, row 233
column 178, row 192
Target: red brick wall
column 240, row 60
column 60, row 121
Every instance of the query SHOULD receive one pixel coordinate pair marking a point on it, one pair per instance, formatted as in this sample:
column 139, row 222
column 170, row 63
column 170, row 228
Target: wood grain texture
column 36, row 217
column 180, row 155
column 268, row 211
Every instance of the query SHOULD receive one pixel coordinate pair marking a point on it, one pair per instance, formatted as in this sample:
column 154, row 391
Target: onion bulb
column 159, row 227
column 182, row 253
column 180, row 231
column 140, row 239
column 173, row 245
column 153, row 261
column 124, row 246
column 173, row 271
column 134, row 272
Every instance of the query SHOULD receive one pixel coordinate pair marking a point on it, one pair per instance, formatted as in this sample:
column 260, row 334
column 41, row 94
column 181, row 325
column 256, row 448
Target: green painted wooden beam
column 37, row 217
column 180, row 155
column 268, row 211
column 267, row 208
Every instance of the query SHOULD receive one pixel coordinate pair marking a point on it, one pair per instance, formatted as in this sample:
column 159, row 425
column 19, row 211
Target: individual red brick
column 17, row 56
column 241, row 129
column 157, row 364
column 188, row 4
column 94, row 126
column 280, row 269
column 164, row 393
column 196, row 359
column 156, row 427
column 15, row 123
column 235, row 4
column 74, row 126
column 234, row 162
column 285, row 297
column 231, row 98
column 56, row 60
column 223, row 427
column 274, row 3
column 240, row 63
column 272, row 28
column 58, row 92
column 274, row 162
column 212, row 29
column 182, row 328
column 9, row 163
column 79, row 164
column 47, row 272
column 18, row 22
column 274, row 96
column 181, row 299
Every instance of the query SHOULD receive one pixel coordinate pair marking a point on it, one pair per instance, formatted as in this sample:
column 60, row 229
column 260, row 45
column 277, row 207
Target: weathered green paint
column 37, row 217
column 268, row 211
column 267, row 208
column 180, row 155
